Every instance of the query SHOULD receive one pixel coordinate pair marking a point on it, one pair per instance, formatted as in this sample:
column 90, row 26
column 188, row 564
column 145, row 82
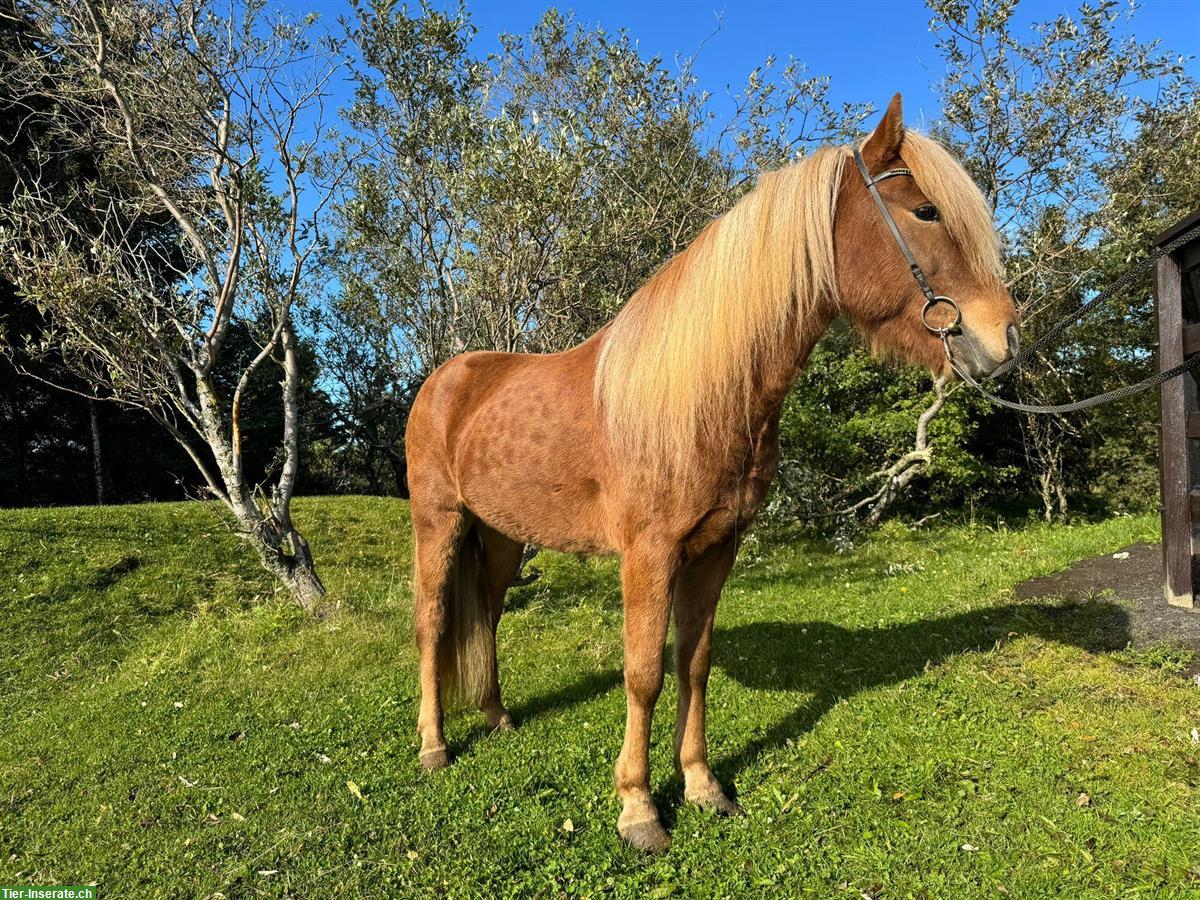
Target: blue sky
column 870, row 48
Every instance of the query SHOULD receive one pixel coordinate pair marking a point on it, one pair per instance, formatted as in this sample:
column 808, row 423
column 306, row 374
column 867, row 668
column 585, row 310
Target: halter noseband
column 931, row 299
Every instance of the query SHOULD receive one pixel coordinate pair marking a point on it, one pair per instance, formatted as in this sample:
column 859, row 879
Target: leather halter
column 931, row 299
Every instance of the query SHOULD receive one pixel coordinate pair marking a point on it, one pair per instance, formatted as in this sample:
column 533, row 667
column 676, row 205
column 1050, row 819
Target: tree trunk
column 399, row 472
column 21, row 446
column 1044, row 442
column 296, row 569
column 282, row 549
column 97, row 455
column 902, row 473
column 1047, row 497
column 372, row 471
column 306, row 587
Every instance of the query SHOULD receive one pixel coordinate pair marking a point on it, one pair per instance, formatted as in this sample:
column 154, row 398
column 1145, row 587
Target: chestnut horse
column 657, row 438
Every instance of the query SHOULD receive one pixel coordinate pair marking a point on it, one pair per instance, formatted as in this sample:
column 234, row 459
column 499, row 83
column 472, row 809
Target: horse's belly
column 556, row 528
column 538, row 506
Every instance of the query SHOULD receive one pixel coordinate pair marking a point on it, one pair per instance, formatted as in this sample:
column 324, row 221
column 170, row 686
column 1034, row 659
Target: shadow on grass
column 98, row 614
column 580, row 691
column 110, row 575
column 566, row 583
column 828, row 662
column 98, row 580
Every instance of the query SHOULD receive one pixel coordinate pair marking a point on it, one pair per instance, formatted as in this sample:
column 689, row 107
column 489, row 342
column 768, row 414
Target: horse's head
column 947, row 224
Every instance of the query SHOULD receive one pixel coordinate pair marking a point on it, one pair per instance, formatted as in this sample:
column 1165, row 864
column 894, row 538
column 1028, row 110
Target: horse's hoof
column 717, row 803
column 432, row 760
column 505, row 725
column 649, row 836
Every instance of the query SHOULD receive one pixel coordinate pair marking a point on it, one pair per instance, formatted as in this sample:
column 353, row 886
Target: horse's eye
column 927, row 213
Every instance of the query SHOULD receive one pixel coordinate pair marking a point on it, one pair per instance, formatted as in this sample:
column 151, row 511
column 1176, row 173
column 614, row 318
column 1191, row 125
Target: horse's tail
column 466, row 651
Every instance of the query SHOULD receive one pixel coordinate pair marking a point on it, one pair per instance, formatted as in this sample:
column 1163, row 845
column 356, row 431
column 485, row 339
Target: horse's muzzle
column 976, row 358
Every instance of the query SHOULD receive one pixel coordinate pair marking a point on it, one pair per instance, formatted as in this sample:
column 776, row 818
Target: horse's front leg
column 697, row 590
column 646, row 587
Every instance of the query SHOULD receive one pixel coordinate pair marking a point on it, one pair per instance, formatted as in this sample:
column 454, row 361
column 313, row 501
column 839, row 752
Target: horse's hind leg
column 502, row 562
column 697, row 589
column 437, row 531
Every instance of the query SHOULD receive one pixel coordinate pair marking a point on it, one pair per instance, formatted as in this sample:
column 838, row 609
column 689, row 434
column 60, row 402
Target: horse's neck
column 779, row 372
column 753, row 441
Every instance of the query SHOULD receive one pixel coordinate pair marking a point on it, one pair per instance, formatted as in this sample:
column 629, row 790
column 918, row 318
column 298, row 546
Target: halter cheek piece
column 931, row 299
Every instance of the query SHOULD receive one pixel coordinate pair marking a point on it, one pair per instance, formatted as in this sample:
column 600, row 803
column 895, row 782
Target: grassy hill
column 893, row 721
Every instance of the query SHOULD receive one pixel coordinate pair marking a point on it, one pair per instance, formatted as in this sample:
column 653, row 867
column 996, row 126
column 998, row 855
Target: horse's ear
column 884, row 143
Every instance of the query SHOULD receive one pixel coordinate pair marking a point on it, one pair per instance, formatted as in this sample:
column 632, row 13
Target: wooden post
column 1178, row 337
column 1173, row 456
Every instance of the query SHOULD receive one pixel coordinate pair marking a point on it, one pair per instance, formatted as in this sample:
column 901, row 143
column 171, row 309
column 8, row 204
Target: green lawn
column 893, row 722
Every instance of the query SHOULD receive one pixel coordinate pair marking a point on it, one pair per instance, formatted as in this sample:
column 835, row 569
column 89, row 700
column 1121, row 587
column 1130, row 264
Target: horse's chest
column 738, row 501
column 751, row 490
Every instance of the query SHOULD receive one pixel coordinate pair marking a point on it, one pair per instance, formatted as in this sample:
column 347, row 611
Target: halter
column 931, row 299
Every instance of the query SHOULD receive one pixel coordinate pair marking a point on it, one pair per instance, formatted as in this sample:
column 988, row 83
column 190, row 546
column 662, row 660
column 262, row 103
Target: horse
column 657, row 438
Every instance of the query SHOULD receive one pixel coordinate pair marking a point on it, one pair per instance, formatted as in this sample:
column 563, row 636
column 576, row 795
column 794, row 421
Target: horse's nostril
column 1014, row 340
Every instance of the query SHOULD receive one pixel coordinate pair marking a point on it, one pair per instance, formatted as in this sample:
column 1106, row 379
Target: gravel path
column 1133, row 577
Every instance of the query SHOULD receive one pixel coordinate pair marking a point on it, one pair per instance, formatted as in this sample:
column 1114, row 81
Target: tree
column 515, row 203
column 1081, row 142
column 62, row 446
column 203, row 222
column 1040, row 121
column 1150, row 180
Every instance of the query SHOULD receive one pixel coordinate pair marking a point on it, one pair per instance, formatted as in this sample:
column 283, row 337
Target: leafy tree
column 1150, row 180
column 59, row 446
column 514, row 203
column 1081, row 141
column 1042, row 123
column 187, row 239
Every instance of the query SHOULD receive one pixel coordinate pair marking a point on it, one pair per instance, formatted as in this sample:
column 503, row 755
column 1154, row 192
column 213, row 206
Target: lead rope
column 1061, row 325
column 1070, row 318
column 1117, row 394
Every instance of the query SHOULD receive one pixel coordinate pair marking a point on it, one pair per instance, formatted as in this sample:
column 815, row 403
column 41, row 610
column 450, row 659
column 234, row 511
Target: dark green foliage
column 850, row 414
column 45, row 433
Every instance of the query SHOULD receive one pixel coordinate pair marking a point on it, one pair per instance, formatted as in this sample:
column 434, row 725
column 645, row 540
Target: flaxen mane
column 679, row 360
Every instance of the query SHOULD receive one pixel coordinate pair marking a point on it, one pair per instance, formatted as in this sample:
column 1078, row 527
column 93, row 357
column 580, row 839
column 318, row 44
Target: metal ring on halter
column 948, row 329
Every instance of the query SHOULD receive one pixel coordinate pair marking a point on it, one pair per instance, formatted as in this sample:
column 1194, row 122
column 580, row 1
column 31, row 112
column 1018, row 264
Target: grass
column 893, row 721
